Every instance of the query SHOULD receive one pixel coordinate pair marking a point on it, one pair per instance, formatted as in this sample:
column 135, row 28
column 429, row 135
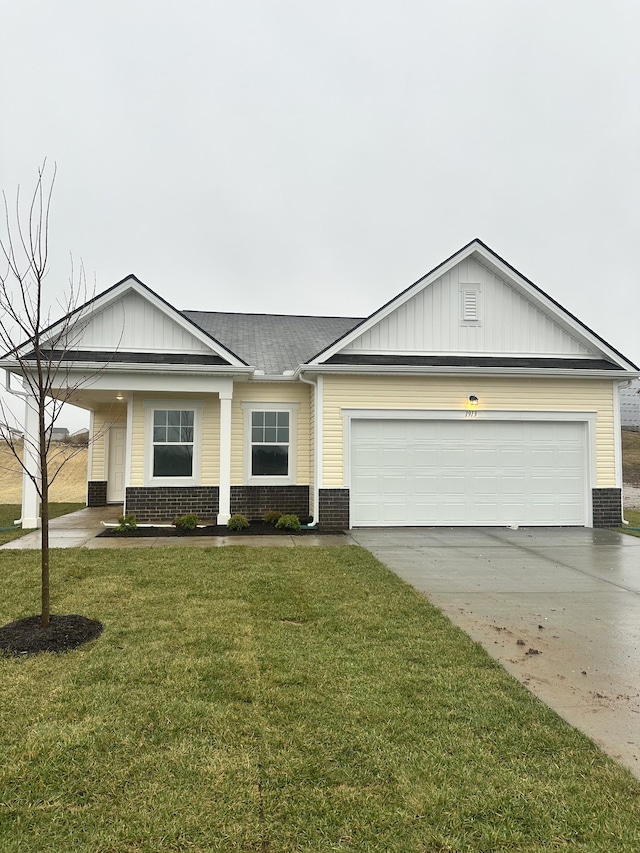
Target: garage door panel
column 468, row 472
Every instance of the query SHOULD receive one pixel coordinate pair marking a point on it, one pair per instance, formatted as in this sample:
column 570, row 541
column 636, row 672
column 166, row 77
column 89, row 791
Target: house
column 471, row 398
column 59, row 433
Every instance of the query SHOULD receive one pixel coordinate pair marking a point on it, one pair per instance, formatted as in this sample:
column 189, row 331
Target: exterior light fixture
column 473, row 400
column 119, row 397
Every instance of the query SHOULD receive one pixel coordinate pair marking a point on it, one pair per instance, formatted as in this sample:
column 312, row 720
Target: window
column 173, row 438
column 173, row 443
column 270, row 443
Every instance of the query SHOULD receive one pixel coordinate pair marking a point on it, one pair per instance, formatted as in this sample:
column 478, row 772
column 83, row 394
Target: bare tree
column 40, row 353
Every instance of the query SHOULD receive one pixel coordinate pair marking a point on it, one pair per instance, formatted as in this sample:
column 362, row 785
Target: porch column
column 31, row 449
column 224, row 506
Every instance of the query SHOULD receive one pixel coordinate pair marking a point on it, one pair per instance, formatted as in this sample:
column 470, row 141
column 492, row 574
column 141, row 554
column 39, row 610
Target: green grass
column 631, row 457
column 281, row 700
column 633, row 517
column 9, row 513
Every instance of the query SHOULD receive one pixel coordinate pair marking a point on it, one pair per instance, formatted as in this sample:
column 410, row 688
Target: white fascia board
column 101, row 367
column 408, row 370
column 276, row 377
column 155, row 383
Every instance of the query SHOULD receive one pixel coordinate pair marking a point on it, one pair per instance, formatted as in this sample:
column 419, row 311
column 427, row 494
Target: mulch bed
column 27, row 636
column 256, row 528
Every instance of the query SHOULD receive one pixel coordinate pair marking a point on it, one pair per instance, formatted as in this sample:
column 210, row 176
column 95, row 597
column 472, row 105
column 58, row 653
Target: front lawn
column 9, row 513
column 267, row 699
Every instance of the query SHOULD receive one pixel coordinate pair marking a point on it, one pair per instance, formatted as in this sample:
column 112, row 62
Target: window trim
column 257, row 480
column 152, row 406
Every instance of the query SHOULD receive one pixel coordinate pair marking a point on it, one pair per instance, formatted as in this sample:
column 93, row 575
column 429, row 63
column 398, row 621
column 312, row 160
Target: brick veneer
column 97, row 493
column 334, row 509
column 607, row 508
column 254, row 501
column 163, row 503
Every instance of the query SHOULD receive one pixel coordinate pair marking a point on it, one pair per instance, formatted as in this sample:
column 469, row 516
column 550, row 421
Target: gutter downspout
column 317, row 446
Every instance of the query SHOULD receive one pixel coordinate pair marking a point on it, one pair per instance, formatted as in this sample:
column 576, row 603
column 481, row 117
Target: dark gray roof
column 272, row 342
column 472, row 361
column 116, row 357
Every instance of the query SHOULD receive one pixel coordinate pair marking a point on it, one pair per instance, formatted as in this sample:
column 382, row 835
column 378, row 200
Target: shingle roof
column 272, row 342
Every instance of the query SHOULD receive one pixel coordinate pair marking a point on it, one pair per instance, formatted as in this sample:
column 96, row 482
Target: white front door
column 117, row 455
column 430, row 472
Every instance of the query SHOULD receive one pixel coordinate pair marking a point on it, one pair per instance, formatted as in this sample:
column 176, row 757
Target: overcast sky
column 285, row 156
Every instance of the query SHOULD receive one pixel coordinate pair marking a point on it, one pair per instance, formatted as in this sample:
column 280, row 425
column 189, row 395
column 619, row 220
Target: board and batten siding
column 271, row 392
column 132, row 323
column 431, row 321
column 446, row 393
column 103, row 419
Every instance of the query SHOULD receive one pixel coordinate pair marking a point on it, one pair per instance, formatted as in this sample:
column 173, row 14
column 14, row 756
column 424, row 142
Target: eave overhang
column 408, row 370
column 93, row 367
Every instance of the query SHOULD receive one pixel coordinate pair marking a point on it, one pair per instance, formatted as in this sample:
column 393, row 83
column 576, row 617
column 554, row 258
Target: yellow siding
column 270, row 392
column 137, row 441
column 103, row 419
column 432, row 393
column 210, row 457
column 210, row 464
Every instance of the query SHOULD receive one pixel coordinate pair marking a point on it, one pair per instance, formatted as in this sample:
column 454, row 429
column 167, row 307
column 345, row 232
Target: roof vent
column 470, row 303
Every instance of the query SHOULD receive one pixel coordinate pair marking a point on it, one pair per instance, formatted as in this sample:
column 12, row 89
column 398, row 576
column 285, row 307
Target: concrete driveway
column 558, row 607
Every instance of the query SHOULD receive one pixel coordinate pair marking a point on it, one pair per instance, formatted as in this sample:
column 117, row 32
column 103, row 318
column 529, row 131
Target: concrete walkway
column 80, row 529
column 559, row 608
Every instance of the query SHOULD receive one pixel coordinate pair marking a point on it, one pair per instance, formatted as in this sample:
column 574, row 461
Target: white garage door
column 472, row 472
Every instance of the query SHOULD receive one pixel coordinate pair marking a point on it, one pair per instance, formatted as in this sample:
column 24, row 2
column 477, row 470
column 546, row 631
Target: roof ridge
column 264, row 314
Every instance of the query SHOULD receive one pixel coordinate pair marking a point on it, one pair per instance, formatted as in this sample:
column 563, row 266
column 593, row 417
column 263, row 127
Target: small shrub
column 127, row 522
column 186, row 522
column 288, row 522
column 272, row 517
column 238, row 522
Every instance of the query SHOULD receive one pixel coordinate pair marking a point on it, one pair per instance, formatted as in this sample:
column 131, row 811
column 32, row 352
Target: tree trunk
column 44, row 551
column 45, row 611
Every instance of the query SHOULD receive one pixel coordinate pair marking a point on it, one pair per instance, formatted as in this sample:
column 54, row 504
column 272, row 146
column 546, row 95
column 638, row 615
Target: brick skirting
column 607, row 508
column 163, row 503
column 97, row 493
column 334, row 509
column 254, row 501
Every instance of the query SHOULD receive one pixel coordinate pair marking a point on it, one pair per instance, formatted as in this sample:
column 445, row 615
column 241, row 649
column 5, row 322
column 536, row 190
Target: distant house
column 59, row 433
column 470, row 398
column 630, row 406
column 80, row 436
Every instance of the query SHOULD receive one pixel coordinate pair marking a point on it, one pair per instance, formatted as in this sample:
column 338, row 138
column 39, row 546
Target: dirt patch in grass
column 28, row 637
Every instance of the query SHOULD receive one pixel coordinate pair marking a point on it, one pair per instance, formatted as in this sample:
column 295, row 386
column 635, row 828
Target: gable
column 470, row 309
column 133, row 323
column 473, row 310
